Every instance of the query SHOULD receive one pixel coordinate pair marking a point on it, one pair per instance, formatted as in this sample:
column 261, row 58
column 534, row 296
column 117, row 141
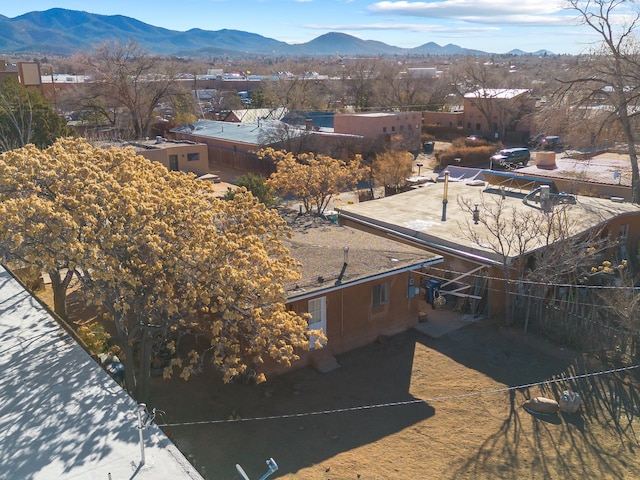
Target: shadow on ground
column 312, row 416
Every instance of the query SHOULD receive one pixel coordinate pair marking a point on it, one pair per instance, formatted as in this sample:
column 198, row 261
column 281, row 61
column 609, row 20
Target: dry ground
column 412, row 407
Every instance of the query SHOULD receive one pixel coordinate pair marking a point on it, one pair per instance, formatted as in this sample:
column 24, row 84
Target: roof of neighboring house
column 158, row 143
column 416, row 216
column 319, row 119
column 247, row 133
column 499, row 93
column 62, row 415
column 377, row 114
column 319, row 245
column 255, row 115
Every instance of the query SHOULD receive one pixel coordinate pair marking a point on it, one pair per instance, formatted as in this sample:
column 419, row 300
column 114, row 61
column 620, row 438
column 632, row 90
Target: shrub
column 94, row 336
column 477, row 156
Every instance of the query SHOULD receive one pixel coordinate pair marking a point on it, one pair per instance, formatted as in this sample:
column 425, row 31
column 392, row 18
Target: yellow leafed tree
column 313, row 178
column 391, row 168
column 157, row 250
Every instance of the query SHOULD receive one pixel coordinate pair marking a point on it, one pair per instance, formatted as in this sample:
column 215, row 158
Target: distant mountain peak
column 63, row 31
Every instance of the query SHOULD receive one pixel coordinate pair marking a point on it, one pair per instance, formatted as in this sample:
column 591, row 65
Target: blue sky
column 495, row 26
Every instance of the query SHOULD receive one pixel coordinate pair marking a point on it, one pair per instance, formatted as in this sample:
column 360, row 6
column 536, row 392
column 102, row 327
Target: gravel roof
column 319, row 244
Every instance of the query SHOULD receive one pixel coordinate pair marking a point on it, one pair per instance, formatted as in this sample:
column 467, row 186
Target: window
column 624, row 232
column 393, row 128
column 380, row 294
column 315, row 309
column 193, row 157
column 384, row 129
column 401, row 127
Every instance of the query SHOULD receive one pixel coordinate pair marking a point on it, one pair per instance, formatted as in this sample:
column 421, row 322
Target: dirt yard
column 412, row 408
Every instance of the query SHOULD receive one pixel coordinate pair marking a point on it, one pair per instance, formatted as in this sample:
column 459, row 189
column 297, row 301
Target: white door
column 318, row 320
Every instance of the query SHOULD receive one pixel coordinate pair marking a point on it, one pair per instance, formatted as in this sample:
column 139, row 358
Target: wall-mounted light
column 476, row 214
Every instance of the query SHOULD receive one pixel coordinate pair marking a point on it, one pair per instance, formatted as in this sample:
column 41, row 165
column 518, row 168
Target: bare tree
column 609, row 77
column 358, row 78
column 538, row 244
column 125, row 78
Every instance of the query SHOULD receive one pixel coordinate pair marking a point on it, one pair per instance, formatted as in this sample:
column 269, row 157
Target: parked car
column 510, row 157
column 475, row 137
column 551, row 142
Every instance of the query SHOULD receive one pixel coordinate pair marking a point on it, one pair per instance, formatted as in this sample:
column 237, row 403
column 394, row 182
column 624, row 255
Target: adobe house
column 399, row 130
column 356, row 286
column 175, row 155
column 496, row 112
column 235, row 145
column 231, row 145
column 474, row 272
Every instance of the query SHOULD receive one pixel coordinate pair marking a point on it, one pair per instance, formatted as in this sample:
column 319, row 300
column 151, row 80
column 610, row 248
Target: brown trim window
column 380, row 294
column 192, row 157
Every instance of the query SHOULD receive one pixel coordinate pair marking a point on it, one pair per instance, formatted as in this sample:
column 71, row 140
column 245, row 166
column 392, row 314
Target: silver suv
column 510, row 157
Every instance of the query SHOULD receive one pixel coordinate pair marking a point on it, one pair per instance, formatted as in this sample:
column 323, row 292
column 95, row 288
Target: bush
column 257, row 185
column 94, row 336
column 470, row 156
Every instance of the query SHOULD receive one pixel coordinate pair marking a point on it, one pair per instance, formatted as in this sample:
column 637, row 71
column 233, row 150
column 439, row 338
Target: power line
column 403, row 403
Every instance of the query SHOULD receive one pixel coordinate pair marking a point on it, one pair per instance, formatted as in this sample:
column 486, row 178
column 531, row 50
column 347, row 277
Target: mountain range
column 64, row 32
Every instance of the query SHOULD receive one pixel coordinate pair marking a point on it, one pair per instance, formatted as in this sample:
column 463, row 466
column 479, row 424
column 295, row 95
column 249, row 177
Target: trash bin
column 427, row 147
column 433, row 289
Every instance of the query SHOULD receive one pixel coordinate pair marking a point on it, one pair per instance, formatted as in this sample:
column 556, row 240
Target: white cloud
column 412, row 27
column 484, row 11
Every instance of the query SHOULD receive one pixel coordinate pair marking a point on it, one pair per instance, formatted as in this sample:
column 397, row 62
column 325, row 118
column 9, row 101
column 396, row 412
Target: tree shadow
column 60, row 414
column 307, row 417
column 571, row 444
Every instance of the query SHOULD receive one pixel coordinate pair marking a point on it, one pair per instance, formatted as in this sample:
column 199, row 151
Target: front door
column 173, row 163
column 318, row 320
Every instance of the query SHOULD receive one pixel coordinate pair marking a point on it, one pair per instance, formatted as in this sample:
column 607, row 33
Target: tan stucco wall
column 374, row 125
column 161, row 155
column 353, row 322
column 444, row 119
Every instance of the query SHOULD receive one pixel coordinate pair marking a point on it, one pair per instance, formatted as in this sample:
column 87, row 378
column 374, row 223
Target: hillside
column 62, row 31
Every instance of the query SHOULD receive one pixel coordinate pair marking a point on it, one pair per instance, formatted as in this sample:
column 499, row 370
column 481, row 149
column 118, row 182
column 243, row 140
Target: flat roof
column 251, row 133
column 319, row 245
column 62, row 415
column 159, row 144
column 416, row 216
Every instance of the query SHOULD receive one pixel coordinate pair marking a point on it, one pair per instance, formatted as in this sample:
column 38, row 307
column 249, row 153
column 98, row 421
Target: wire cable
column 561, row 378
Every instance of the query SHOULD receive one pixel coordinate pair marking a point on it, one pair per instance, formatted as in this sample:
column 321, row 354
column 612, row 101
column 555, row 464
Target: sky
column 495, row 26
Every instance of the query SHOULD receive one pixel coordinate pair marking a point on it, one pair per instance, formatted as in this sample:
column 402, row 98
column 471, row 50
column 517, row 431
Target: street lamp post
column 419, row 165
